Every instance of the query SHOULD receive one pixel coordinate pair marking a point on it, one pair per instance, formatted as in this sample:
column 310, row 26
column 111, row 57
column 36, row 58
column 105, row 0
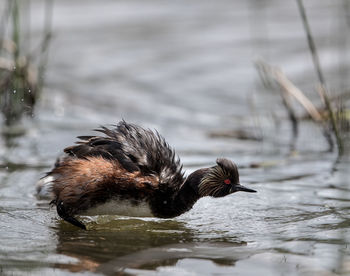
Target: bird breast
column 121, row 207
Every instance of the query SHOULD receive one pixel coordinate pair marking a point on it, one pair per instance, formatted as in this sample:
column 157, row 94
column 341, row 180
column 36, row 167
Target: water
column 186, row 69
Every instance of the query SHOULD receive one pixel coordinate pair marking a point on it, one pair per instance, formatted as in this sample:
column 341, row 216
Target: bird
column 132, row 170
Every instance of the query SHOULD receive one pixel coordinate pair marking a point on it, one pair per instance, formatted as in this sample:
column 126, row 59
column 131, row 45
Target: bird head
column 221, row 180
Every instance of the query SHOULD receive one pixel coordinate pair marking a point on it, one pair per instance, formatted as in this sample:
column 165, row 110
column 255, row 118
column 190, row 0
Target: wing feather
column 135, row 148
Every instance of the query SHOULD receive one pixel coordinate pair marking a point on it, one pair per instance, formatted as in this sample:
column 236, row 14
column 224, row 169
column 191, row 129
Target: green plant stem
column 45, row 43
column 4, row 22
column 15, row 35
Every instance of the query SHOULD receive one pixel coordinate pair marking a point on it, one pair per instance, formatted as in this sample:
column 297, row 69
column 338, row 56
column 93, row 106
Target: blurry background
column 191, row 70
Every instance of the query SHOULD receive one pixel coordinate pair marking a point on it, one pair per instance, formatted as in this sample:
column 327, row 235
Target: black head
column 221, row 180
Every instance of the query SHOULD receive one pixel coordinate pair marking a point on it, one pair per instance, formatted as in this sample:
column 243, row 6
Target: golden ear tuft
column 226, row 164
column 229, row 168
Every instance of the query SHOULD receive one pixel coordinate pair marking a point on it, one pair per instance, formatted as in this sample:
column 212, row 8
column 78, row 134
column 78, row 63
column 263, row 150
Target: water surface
column 185, row 68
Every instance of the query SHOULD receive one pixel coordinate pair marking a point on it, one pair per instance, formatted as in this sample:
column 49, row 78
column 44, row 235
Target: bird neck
column 168, row 206
column 190, row 188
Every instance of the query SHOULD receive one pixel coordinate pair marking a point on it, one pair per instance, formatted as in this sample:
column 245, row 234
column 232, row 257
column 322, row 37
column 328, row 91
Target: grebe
column 130, row 166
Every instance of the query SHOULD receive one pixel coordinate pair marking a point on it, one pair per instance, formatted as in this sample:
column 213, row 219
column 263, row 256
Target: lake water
column 187, row 69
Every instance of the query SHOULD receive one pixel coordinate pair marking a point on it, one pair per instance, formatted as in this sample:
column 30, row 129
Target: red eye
column 227, row 181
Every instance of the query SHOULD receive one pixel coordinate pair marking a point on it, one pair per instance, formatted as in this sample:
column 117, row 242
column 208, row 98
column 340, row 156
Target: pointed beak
column 241, row 188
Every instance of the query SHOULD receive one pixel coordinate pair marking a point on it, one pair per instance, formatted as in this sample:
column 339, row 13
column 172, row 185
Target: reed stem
column 321, row 78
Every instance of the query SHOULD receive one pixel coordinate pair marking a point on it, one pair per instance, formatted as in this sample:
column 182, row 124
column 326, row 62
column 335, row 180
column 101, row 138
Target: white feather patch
column 121, row 208
column 44, row 187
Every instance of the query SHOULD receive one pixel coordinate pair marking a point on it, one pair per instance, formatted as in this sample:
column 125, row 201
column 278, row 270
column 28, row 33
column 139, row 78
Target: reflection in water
column 224, row 254
column 123, row 242
column 108, row 238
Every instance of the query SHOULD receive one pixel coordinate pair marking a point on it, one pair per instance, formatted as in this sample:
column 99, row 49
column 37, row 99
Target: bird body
column 130, row 171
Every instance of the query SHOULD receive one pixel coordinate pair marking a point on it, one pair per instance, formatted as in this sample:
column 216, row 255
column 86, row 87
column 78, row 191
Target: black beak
column 239, row 187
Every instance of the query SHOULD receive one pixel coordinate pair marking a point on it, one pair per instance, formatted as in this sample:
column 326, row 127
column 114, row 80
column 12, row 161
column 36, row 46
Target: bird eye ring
column 227, row 181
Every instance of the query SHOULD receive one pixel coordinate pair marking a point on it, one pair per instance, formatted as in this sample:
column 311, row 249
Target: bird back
column 135, row 148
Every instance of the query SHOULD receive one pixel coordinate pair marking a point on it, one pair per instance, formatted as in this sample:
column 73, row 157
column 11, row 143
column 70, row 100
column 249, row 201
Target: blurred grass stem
column 316, row 62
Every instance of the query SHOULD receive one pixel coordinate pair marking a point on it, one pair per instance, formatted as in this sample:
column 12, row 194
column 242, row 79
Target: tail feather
column 44, row 187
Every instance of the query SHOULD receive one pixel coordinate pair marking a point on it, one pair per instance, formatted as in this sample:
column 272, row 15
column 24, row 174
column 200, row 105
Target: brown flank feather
column 83, row 183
